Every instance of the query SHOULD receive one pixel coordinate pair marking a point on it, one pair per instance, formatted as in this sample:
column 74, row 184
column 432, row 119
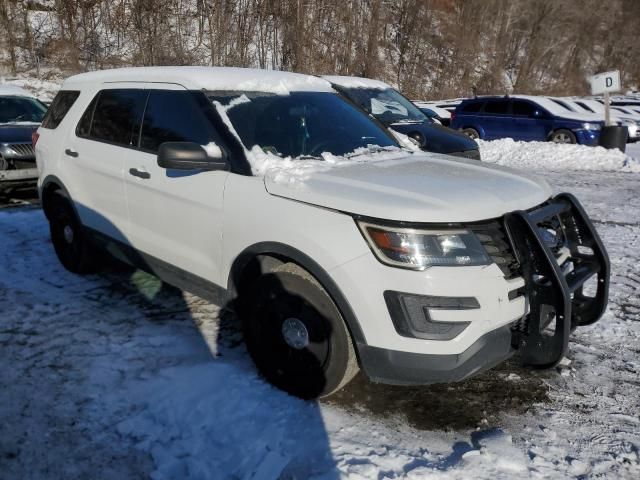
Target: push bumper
column 406, row 368
column 557, row 301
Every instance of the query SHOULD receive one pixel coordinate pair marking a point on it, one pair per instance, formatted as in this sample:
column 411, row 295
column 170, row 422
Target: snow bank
column 553, row 156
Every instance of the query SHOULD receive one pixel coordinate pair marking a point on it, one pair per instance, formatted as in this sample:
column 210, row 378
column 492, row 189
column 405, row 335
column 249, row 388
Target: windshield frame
column 34, row 101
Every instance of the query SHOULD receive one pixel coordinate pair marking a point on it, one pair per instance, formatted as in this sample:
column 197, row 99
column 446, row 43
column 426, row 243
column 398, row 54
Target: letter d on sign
column 605, row 82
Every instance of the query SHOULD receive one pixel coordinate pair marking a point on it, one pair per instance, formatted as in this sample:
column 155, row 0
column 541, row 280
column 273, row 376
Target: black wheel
column 563, row 136
column 70, row 242
column 296, row 335
column 472, row 133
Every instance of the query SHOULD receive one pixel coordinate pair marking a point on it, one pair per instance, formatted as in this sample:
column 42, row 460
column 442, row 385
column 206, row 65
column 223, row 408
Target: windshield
column 21, row 109
column 388, row 106
column 301, row 124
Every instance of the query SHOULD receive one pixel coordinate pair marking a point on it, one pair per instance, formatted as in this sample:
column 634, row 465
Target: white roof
column 12, row 90
column 356, row 82
column 208, row 78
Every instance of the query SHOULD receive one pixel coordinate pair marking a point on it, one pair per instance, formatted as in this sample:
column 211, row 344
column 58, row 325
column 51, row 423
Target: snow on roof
column 12, row 90
column 356, row 82
column 556, row 109
column 209, row 78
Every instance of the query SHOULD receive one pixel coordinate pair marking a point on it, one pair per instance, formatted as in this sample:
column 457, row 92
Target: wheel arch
column 49, row 185
column 260, row 257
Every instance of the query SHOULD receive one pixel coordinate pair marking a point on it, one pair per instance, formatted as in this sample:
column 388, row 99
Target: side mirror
column 418, row 139
column 191, row 156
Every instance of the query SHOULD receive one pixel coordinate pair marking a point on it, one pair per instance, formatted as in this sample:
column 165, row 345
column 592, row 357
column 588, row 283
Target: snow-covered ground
column 118, row 376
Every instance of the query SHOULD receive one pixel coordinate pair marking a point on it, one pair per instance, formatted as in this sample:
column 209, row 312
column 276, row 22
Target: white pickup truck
column 339, row 247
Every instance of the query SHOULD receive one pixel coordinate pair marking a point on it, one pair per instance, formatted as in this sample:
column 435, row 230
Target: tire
column 472, row 133
column 562, row 136
column 295, row 334
column 73, row 248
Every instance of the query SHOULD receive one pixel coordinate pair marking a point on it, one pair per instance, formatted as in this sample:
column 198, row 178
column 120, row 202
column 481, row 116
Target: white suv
column 337, row 245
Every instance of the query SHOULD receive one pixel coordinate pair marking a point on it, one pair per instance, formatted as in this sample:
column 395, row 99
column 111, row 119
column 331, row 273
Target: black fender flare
column 54, row 180
column 306, row 262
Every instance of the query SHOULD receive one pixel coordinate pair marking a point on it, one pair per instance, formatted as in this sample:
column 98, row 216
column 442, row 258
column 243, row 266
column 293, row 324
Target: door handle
column 71, row 153
column 139, row 173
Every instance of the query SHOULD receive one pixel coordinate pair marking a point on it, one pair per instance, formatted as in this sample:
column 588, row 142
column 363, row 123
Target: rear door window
column 497, row 107
column 523, row 109
column 117, row 116
column 472, row 107
column 61, row 104
column 175, row 116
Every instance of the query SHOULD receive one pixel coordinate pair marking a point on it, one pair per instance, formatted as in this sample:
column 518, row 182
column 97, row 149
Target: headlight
column 420, row 249
column 591, row 126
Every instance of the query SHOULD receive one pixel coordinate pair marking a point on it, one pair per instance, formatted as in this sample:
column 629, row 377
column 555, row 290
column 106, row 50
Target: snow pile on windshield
column 291, row 170
column 294, row 171
column 554, row 156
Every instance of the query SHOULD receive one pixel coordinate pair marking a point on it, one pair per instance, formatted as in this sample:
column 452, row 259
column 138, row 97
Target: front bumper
column 587, row 137
column 406, row 368
column 16, row 178
column 534, row 312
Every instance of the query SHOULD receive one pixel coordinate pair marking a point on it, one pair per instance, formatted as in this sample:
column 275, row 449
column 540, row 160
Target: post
column 607, row 109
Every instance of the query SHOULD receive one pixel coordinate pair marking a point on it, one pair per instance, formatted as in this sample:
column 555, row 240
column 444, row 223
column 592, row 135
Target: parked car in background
column 416, row 268
column 526, row 118
column 628, row 118
column 20, row 115
column 431, row 110
column 398, row 113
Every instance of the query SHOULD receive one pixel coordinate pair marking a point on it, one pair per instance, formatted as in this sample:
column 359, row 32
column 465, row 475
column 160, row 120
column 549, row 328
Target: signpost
column 606, row 83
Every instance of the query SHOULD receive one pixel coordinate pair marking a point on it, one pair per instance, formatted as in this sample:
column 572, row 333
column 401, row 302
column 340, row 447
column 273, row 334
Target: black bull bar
column 555, row 292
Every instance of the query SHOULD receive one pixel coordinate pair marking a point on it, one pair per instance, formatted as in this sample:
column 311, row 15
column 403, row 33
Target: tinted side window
column 59, row 108
column 522, row 109
column 497, row 106
column 472, row 107
column 117, row 116
column 174, row 116
column 84, row 125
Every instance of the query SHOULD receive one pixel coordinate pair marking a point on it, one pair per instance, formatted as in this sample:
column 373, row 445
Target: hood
column 438, row 139
column 16, row 133
column 418, row 188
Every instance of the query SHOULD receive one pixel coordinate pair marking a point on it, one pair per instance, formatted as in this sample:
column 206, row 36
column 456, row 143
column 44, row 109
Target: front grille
column 22, row 149
column 494, row 239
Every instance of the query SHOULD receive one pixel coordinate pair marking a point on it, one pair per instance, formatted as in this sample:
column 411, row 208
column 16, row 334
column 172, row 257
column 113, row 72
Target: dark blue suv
column 525, row 118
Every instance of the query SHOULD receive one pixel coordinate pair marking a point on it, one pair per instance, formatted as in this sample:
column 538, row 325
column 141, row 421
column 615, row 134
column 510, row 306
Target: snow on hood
column 410, row 187
column 555, row 156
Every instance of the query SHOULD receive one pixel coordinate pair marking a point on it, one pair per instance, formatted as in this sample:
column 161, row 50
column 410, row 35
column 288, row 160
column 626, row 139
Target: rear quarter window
column 61, row 104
